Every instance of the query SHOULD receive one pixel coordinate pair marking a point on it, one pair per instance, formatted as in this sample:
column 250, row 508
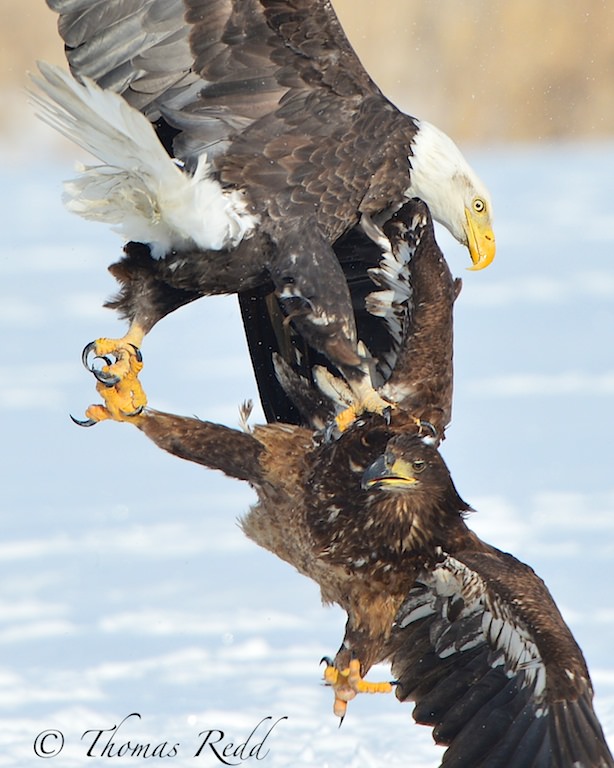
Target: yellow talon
column 371, row 403
column 346, row 418
column 118, row 382
column 347, row 683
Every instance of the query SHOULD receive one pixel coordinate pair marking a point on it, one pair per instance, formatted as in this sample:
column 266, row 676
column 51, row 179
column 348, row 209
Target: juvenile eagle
column 473, row 635
column 240, row 142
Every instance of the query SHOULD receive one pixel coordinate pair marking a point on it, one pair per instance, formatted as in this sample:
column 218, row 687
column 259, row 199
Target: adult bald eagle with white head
column 240, row 140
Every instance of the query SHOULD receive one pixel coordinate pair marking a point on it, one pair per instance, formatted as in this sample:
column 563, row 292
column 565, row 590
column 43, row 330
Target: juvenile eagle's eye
column 479, row 206
column 418, row 465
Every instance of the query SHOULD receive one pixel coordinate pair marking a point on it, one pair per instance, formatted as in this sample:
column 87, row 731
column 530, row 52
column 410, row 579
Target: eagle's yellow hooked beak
column 479, row 234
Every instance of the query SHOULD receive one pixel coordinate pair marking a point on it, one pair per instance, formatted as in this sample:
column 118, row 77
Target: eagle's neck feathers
column 421, row 522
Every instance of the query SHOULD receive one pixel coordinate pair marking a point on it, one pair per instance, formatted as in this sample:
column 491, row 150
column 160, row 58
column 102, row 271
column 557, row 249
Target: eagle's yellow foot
column 124, row 350
column 368, row 402
column 347, row 683
column 118, row 382
column 124, row 401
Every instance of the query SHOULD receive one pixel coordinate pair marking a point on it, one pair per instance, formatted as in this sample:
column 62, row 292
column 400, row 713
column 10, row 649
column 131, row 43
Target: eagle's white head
column 456, row 197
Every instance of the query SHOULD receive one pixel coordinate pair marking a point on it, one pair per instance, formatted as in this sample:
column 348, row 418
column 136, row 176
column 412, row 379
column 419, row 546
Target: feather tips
column 483, row 676
column 139, row 188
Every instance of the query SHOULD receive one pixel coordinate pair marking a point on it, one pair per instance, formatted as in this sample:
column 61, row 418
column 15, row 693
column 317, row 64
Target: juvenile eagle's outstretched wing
column 482, row 649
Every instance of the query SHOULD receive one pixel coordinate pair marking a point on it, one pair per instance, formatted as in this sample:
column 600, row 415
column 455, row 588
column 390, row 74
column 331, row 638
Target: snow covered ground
column 125, row 584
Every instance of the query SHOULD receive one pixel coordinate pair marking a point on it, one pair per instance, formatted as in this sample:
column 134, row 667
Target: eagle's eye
column 479, row 206
column 418, row 465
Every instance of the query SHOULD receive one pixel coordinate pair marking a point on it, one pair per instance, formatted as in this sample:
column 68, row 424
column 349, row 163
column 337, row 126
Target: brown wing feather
column 139, row 48
column 482, row 649
column 422, row 378
column 237, row 454
column 212, row 67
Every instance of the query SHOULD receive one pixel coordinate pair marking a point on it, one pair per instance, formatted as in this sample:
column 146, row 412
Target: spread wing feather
column 210, row 68
column 483, row 651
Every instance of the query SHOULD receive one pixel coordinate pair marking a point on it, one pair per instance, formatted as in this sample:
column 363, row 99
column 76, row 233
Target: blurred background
column 125, row 584
column 482, row 70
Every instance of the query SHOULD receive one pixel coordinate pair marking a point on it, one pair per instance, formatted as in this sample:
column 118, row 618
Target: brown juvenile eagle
column 473, row 636
column 240, row 142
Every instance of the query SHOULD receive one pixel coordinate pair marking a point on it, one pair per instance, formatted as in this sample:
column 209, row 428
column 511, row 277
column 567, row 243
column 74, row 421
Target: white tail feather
column 139, row 188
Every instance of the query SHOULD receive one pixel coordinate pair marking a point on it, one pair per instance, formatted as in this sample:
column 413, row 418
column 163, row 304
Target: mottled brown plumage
column 363, row 549
column 326, row 167
column 409, row 335
column 374, row 519
column 473, row 635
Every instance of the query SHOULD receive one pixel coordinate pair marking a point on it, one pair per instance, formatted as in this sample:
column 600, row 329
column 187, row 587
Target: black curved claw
column 137, row 353
column 138, row 412
column 83, row 422
column 87, row 349
column 434, row 434
column 387, row 415
column 328, row 660
column 329, row 433
column 108, row 379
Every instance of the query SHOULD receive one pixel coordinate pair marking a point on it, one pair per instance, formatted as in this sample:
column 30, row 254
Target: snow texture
column 125, row 583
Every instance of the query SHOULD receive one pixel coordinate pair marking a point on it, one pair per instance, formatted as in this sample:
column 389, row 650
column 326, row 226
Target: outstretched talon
column 347, row 683
column 117, row 380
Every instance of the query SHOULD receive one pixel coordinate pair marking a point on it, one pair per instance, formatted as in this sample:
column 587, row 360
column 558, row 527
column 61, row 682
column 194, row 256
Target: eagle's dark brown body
column 266, row 101
column 363, row 551
column 473, row 635
column 296, row 191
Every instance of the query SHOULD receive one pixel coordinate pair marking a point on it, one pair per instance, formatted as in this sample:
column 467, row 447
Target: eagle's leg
column 348, row 682
column 365, row 400
column 355, row 392
column 313, row 293
column 125, row 351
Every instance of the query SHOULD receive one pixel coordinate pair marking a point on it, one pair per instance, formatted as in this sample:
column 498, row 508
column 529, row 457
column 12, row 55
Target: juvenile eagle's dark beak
column 388, row 472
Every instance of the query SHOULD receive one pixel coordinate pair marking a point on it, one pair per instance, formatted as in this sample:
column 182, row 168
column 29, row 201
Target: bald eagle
column 241, row 144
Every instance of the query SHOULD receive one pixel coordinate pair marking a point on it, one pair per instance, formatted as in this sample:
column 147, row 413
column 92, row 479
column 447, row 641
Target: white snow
column 125, row 583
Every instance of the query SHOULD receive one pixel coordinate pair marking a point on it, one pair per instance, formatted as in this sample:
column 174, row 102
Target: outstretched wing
column 482, row 649
column 205, row 70
column 271, row 93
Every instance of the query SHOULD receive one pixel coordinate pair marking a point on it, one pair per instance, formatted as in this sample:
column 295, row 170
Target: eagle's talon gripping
column 349, row 682
column 124, row 352
column 107, row 379
column 117, row 381
column 91, row 349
